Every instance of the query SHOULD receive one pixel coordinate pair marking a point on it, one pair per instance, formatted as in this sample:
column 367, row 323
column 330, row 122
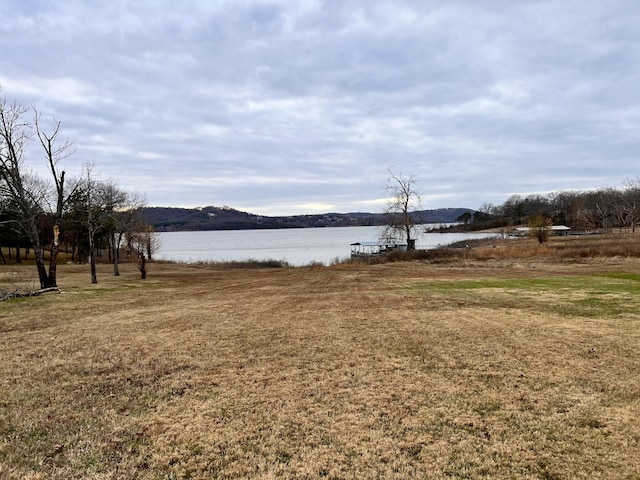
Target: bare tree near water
column 143, row 243
column 403, row 202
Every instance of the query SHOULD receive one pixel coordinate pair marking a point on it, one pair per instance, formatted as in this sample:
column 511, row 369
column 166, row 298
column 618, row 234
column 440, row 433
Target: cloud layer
column 282, row 107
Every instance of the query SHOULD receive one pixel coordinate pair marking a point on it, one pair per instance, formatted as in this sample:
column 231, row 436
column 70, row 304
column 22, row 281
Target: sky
column 281, row 107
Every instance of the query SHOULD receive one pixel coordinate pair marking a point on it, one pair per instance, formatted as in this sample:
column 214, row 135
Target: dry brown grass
column 487, row 367
column 564, row 249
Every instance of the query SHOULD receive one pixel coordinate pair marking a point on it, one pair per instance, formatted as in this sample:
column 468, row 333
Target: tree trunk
column 149, row 240
column 411, row 243
column 116, row 268
column 52, row 281
column 92, row 262
column 42, row 269
column 92, row 256
column 38, row 252
column 143, row 267
column 115, row 245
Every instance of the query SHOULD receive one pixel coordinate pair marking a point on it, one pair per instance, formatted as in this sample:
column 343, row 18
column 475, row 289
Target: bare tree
column 105, row 215
column 93, row 219
column 143, row 244
column 403, row 202
column 597, row 212
column 627, row 204
column 28, row 194
column 15, row 134
column 567, row 207
column 14, row 137
column 604, row 208
column 486, row 213
column 121, row 210
column 54, row 153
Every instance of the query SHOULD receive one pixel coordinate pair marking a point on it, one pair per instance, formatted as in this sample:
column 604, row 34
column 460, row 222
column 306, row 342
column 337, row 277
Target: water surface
column 297, row 246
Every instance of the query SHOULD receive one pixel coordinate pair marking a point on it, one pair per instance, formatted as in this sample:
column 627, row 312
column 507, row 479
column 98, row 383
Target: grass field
column 505, row 362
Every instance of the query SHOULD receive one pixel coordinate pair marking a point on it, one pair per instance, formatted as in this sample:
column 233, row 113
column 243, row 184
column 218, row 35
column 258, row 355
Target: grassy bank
column 493, row 365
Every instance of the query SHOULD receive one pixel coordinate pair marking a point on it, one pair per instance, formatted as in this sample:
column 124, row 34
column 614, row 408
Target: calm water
column 298, row 246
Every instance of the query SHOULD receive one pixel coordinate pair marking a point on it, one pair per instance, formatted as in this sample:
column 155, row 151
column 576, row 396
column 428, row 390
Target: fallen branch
column 6, row 295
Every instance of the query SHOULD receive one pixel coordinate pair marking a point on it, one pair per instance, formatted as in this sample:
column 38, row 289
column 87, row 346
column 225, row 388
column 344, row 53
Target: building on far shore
column 554, row 229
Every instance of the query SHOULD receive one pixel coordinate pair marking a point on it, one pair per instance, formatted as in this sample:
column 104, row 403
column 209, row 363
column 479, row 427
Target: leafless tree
column 604, row 207
column 93, row 218
column 597, row 212
column 121, row 210
column 55, row 152
column 627, row 204
column 403, row 202
column 567, row 207
column 14, row 137
column 28, row 194
column 143, row 244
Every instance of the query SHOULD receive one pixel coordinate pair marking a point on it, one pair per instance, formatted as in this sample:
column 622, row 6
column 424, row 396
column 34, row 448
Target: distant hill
column 166, row 219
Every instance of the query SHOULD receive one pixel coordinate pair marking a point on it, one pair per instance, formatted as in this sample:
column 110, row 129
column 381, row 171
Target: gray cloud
column 295, row 107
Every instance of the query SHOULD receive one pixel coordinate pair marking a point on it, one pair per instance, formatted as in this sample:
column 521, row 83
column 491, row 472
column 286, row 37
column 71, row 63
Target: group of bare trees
column 82, row 215
column 603, row 209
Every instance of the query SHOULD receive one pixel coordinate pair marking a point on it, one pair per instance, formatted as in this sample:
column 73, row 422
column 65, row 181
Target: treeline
column 110, row 214
column 225, row 218
column 79, row 216
column 594, row 210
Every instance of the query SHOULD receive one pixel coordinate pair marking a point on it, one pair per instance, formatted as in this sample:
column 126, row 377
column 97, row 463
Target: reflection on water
column 297, row 246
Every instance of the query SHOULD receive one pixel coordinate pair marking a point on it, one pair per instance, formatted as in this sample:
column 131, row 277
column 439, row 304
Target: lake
column 297, row 246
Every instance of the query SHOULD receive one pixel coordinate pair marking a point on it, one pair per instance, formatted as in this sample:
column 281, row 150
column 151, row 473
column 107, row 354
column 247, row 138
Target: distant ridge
column 169, row 219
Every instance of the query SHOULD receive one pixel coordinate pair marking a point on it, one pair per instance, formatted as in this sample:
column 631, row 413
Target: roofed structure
column 556, row 229
column 364, row 249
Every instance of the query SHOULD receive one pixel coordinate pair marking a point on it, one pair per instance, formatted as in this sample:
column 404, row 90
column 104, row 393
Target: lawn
column 470, row 369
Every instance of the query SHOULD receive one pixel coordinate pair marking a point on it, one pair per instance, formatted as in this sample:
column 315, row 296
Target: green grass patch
column 622, row 276
column 607, row 295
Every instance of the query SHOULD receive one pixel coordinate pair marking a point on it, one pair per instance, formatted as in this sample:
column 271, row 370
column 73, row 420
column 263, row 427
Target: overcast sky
column 300, row 106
